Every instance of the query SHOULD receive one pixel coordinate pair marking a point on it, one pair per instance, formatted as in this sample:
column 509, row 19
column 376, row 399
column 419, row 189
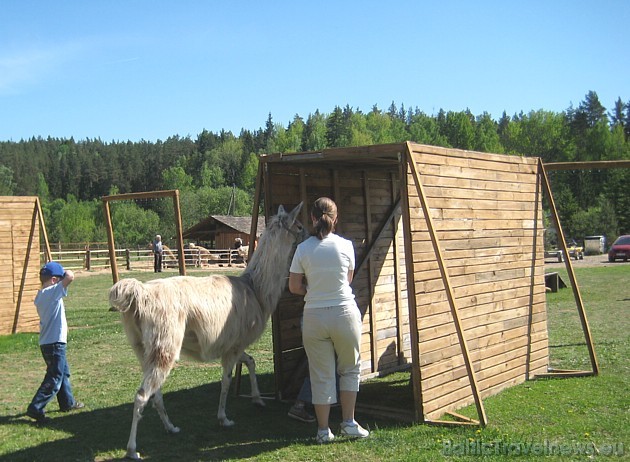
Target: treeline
column 216, row 172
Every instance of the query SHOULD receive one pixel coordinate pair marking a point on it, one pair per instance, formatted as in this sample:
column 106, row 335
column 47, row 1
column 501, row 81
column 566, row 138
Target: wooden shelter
column 450, row 266
column 21, row 230
column 220, row 231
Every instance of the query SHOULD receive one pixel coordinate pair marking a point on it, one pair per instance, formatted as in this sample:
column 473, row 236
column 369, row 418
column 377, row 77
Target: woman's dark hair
column 324, row 212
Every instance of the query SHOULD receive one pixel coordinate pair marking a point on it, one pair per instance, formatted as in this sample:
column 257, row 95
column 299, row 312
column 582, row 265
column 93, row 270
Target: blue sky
column 131, row 70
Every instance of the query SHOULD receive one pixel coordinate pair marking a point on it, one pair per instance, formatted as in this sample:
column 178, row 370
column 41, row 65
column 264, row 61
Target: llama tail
column 125, row 294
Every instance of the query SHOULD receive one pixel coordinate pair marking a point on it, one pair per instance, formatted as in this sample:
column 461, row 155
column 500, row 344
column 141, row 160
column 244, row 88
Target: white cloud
column 20, row 69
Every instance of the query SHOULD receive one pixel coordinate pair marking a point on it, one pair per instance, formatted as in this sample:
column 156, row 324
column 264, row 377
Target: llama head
column 282, row 229
column 289, row 221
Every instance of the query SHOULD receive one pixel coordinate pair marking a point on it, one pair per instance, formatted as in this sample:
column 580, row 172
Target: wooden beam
column 370, row 271
column 180, row 239
column 140, row 195
column 257, row 197
column 110, row 241
column 42, row 227
column 395, row 197
column 565, row 374
column 416, row 374
column 594, row 165
column 371, row 247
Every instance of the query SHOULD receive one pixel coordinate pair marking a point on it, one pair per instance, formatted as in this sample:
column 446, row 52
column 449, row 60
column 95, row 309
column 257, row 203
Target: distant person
column 158, row 252
column 322, row 270
column 53, row 338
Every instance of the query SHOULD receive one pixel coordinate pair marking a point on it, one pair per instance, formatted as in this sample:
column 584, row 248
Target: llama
column 202, row 255
column 205, row 318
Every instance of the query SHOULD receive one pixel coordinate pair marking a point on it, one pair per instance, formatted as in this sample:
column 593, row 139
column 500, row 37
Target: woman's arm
column 297, row 284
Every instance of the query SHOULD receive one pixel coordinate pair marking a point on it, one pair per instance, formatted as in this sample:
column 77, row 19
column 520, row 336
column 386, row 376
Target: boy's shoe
column 74, row 407
column 39, row 418
column 301, row 414
column 353, row 430
column 323, row 438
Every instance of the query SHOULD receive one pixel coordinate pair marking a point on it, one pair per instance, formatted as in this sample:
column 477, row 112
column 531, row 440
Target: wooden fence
column 94, row 259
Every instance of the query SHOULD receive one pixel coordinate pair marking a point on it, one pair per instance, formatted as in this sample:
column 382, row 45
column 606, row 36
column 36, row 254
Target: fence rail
column 92, row 259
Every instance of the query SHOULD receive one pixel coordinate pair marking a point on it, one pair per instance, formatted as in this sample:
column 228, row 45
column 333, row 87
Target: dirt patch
column 589, row 261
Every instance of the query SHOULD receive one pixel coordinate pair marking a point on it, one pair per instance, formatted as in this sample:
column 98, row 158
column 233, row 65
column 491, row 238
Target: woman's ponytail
column 324, row 214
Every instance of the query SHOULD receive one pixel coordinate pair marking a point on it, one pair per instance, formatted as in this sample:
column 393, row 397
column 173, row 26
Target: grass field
column 557, row 419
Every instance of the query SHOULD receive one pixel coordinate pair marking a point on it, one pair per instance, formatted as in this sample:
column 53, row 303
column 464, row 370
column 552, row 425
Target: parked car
column 576, row 251
column 620, row 249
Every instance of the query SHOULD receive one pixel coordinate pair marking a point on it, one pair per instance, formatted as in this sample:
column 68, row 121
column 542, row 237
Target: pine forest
column 216, row 172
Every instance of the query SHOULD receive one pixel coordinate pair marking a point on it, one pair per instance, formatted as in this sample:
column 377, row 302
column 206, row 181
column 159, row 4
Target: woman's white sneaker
column 353, row 430
column 324, row 437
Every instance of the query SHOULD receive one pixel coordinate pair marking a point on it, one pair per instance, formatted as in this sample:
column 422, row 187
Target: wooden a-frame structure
column 450, row 267
column 21, row 229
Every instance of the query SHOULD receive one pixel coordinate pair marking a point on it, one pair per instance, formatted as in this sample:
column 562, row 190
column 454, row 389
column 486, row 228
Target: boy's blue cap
column 52, row 269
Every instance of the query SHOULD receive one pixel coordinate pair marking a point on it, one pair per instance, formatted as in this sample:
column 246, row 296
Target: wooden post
column 397, row 284
column 88, row 259
column 416, row 375
column 253, row 230
column 180, row 239
column 42, row 227
column 110, row 241
column 370, row 241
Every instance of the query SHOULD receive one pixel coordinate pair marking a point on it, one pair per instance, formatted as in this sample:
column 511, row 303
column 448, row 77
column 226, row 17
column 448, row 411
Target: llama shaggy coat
column 205, row 318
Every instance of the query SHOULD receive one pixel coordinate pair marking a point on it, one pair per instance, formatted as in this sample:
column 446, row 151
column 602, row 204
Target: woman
column 322, row 270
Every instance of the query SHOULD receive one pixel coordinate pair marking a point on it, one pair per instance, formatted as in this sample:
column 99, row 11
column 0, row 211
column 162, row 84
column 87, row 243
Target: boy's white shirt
column 53, row 326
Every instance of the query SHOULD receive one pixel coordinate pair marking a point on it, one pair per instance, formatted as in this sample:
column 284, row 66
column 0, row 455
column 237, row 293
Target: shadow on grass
column 102, row 434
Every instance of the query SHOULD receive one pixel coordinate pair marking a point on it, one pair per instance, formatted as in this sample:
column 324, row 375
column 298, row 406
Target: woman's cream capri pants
column 328, row 332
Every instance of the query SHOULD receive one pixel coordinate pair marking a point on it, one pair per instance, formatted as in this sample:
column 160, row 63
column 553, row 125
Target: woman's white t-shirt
column 325, row 263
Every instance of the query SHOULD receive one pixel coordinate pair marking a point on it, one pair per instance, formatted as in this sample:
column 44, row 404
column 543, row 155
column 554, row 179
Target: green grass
column 561, row 415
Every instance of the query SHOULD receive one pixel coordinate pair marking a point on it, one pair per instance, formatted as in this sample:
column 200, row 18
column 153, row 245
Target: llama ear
column 294, row 213
column 281, row 209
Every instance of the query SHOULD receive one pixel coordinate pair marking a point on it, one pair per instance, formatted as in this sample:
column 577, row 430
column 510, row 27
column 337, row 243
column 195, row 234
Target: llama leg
column 139, row 403
column 251, row 367
column 228, row 364
column 151, row 384
column 158, row 404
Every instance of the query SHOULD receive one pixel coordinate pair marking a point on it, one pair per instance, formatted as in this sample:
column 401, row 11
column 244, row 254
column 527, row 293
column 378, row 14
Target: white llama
column 205, row 318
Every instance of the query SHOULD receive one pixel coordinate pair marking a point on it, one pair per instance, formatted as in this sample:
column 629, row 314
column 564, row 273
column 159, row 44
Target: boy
column 53, row 336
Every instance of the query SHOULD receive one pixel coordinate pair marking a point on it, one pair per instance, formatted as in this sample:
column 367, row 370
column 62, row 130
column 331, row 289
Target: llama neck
column 269, row 270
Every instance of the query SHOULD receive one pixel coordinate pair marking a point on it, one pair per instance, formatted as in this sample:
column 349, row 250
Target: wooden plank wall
column 225, row 239
column 365, row 199
column 487, row 214
column 16, row 215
